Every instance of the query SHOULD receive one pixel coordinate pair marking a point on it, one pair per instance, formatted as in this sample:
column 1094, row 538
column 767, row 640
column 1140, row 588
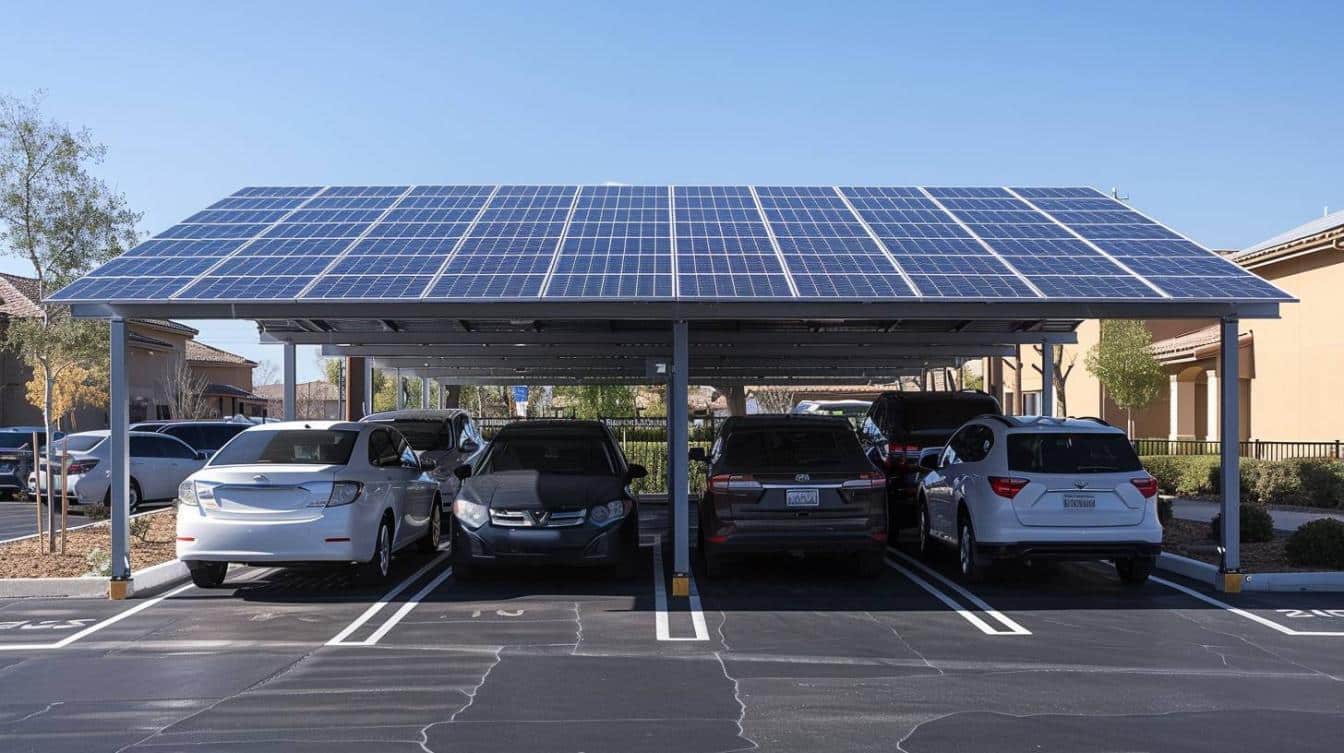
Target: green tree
column 597, row 400
column 63, row 221
column 1124, row 364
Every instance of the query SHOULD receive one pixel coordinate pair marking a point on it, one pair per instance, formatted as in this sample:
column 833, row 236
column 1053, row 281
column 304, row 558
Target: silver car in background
column 307, row 492
column 446, row 436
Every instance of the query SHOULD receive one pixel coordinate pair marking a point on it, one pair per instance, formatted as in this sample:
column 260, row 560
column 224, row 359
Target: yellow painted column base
column 681, row 585
column 119, row 589
column 1230, row 583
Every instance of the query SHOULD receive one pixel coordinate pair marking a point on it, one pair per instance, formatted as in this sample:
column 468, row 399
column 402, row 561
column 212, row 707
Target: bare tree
column 1064, row 364
column 184, row 391
column 774, row 400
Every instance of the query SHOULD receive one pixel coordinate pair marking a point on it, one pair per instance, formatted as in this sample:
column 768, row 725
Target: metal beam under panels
column 656, row 338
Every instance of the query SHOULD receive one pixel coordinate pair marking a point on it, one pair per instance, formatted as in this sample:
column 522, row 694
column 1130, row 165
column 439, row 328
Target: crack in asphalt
column 471, row 699
column 39, row 712
column 909, row 647
column 1253, row 644
column 578, row 635
column 741, row 704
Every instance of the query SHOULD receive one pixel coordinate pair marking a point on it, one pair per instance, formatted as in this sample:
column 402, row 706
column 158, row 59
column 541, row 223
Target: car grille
column 538, row 518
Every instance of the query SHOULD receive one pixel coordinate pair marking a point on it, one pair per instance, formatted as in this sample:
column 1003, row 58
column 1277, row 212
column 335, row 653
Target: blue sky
column 1221, row 119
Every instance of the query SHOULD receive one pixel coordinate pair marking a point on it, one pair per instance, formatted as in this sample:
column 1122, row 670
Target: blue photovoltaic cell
column 917, row 232
column 723, row 249
column 827, row 250
column 1041, row 250
column 618, row 244
column 509, row 250
column 365, row 243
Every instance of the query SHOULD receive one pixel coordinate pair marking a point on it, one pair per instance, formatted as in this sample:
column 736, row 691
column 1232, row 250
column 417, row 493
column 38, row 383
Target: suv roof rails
column 1103, row 422
column 1007, row 420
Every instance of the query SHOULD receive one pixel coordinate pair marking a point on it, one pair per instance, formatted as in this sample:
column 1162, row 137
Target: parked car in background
column 308, row 492
column 207, row 436
column 854, row 410
column 791, row 483
column 158, row 465
column 16, row 456
column 448, row 437
column 899, row 425
column 547, row 492
column 1040, row 488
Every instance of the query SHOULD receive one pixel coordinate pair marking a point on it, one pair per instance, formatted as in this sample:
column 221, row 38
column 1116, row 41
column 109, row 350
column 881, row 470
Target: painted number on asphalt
column 45, row 624
column 503, row 612
column 1300, row 613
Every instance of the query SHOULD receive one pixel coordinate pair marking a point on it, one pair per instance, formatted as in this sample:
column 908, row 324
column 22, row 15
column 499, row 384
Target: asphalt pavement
column 781, row 654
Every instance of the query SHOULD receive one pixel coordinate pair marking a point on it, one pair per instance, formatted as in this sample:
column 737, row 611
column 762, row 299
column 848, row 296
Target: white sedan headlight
column 607, row 514
column 186, row 494
column 472, row 514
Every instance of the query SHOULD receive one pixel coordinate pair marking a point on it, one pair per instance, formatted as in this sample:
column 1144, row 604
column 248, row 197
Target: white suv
column 1031, row 487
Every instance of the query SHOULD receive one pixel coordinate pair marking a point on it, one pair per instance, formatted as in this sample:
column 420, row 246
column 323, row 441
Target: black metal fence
column 644, row 441
column 1251, row 448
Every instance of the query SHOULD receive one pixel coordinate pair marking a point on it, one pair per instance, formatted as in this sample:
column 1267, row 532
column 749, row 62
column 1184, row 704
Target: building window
column 1031, row 403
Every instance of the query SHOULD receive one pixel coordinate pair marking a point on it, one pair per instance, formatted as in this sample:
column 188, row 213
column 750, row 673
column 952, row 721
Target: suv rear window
column 782, row 448
column 294, row 446
column 914, row 415
column 424, row 435
column 1060, row 452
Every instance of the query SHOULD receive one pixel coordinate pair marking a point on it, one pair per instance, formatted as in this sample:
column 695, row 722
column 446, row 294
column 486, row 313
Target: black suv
column 900, row 424
column 790, row 483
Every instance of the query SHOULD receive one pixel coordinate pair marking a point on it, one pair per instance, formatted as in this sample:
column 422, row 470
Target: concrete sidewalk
column 1284, row 519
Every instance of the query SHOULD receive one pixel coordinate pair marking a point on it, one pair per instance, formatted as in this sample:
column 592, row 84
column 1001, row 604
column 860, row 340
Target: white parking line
column 407, row 607
column 1013, row 628
column 90, row 630
column 660, row 601
column 377, row 606
column 1243, row 613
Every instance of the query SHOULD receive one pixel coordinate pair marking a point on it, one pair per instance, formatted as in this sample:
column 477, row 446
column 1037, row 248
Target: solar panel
column 618, row 244
column 480, row 242
column 722, row 247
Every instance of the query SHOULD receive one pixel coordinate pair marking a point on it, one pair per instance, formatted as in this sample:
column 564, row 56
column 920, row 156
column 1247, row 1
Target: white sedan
column 158, row 465
column 306, row 492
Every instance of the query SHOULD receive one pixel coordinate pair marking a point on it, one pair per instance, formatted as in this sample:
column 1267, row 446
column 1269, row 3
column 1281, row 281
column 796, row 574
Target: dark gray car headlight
column 472, row 514
column 604, row 515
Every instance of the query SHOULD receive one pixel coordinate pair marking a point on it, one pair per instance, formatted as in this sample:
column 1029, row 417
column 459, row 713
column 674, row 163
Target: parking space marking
column 1013, row 628
column 660, row 619
column 406, row 608
column 1243, row 613
column 377, row 606
column 90, row 630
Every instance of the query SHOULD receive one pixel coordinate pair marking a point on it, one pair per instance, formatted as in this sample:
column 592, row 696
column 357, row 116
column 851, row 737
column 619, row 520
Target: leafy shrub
column 1319, row 543
column 1256, row 525
column 1311, row 482
column 99, row 562
column 1184, row 475
column 96, row 512
column 140, row 526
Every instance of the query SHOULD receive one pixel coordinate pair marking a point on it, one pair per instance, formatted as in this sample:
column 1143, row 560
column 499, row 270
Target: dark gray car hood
column 530, row 490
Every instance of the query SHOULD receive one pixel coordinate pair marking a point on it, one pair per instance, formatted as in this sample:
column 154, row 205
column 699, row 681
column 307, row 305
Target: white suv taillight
column 1147, row 486
column 1007, row 487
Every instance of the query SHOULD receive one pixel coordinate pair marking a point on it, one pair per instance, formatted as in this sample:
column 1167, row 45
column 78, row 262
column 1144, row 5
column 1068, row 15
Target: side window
column 169, row 448
column 381, row 450
column 977, row 443
column 952, row 453
column 144, row 447
column 405, row 455
column 462, row 430
column 872, row 425
column 218, row 436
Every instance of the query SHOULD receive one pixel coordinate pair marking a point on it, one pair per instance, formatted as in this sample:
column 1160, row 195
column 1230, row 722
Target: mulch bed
column 29, row 558
column 1256, row 557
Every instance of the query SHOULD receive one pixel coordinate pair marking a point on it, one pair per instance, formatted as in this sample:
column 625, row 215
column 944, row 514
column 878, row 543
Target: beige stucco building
column 1291, row 369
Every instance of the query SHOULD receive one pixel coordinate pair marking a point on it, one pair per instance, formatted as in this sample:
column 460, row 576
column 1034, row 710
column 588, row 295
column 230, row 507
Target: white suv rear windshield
column 288, row 447
column 1060, row 452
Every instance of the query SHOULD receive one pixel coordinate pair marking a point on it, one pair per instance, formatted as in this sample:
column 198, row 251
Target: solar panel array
column 399, row 243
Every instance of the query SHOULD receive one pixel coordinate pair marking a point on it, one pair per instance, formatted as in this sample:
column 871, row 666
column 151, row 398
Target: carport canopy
column 721, row 285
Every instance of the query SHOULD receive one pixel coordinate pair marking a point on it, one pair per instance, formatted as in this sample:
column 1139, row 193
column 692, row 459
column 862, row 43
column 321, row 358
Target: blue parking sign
column 520, row 394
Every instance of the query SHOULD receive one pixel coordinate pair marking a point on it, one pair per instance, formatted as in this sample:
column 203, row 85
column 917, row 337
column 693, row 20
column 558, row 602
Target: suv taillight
column 900, row 455
column 734, row 483
column 1007, row 487
column 869, row 480
column 1147, row 486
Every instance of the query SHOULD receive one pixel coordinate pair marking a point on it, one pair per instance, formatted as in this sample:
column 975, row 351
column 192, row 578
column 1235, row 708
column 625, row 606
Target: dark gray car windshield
column 942, row 414
column 12, row 439
column 289, row 447
column 1083, row 452
column 784, row 449
column 553, row 453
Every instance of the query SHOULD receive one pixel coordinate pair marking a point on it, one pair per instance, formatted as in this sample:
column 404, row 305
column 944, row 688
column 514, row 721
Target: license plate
column 802, row 497
column 1079, row 501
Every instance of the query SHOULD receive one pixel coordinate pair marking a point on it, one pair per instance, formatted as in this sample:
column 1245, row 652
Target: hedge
column 1319, row 543
column 1257, row 525
column 1307, row 482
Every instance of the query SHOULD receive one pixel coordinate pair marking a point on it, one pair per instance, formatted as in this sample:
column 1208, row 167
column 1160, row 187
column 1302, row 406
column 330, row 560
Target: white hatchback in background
column 307, row 492
column 1036, row 488
column 159, row 463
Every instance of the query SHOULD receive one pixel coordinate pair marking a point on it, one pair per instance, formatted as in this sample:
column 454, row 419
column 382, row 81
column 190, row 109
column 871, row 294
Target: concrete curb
column 1203, row 572
column 152, row 578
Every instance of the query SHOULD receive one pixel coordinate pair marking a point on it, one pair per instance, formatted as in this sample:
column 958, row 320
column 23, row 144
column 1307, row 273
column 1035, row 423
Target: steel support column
column 424, row 392
column 291, row 396
column 368, row 386
column 119, row 460
column 1047, row 379
column 401, row 390
column 678, row 448
column 1229, row 425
